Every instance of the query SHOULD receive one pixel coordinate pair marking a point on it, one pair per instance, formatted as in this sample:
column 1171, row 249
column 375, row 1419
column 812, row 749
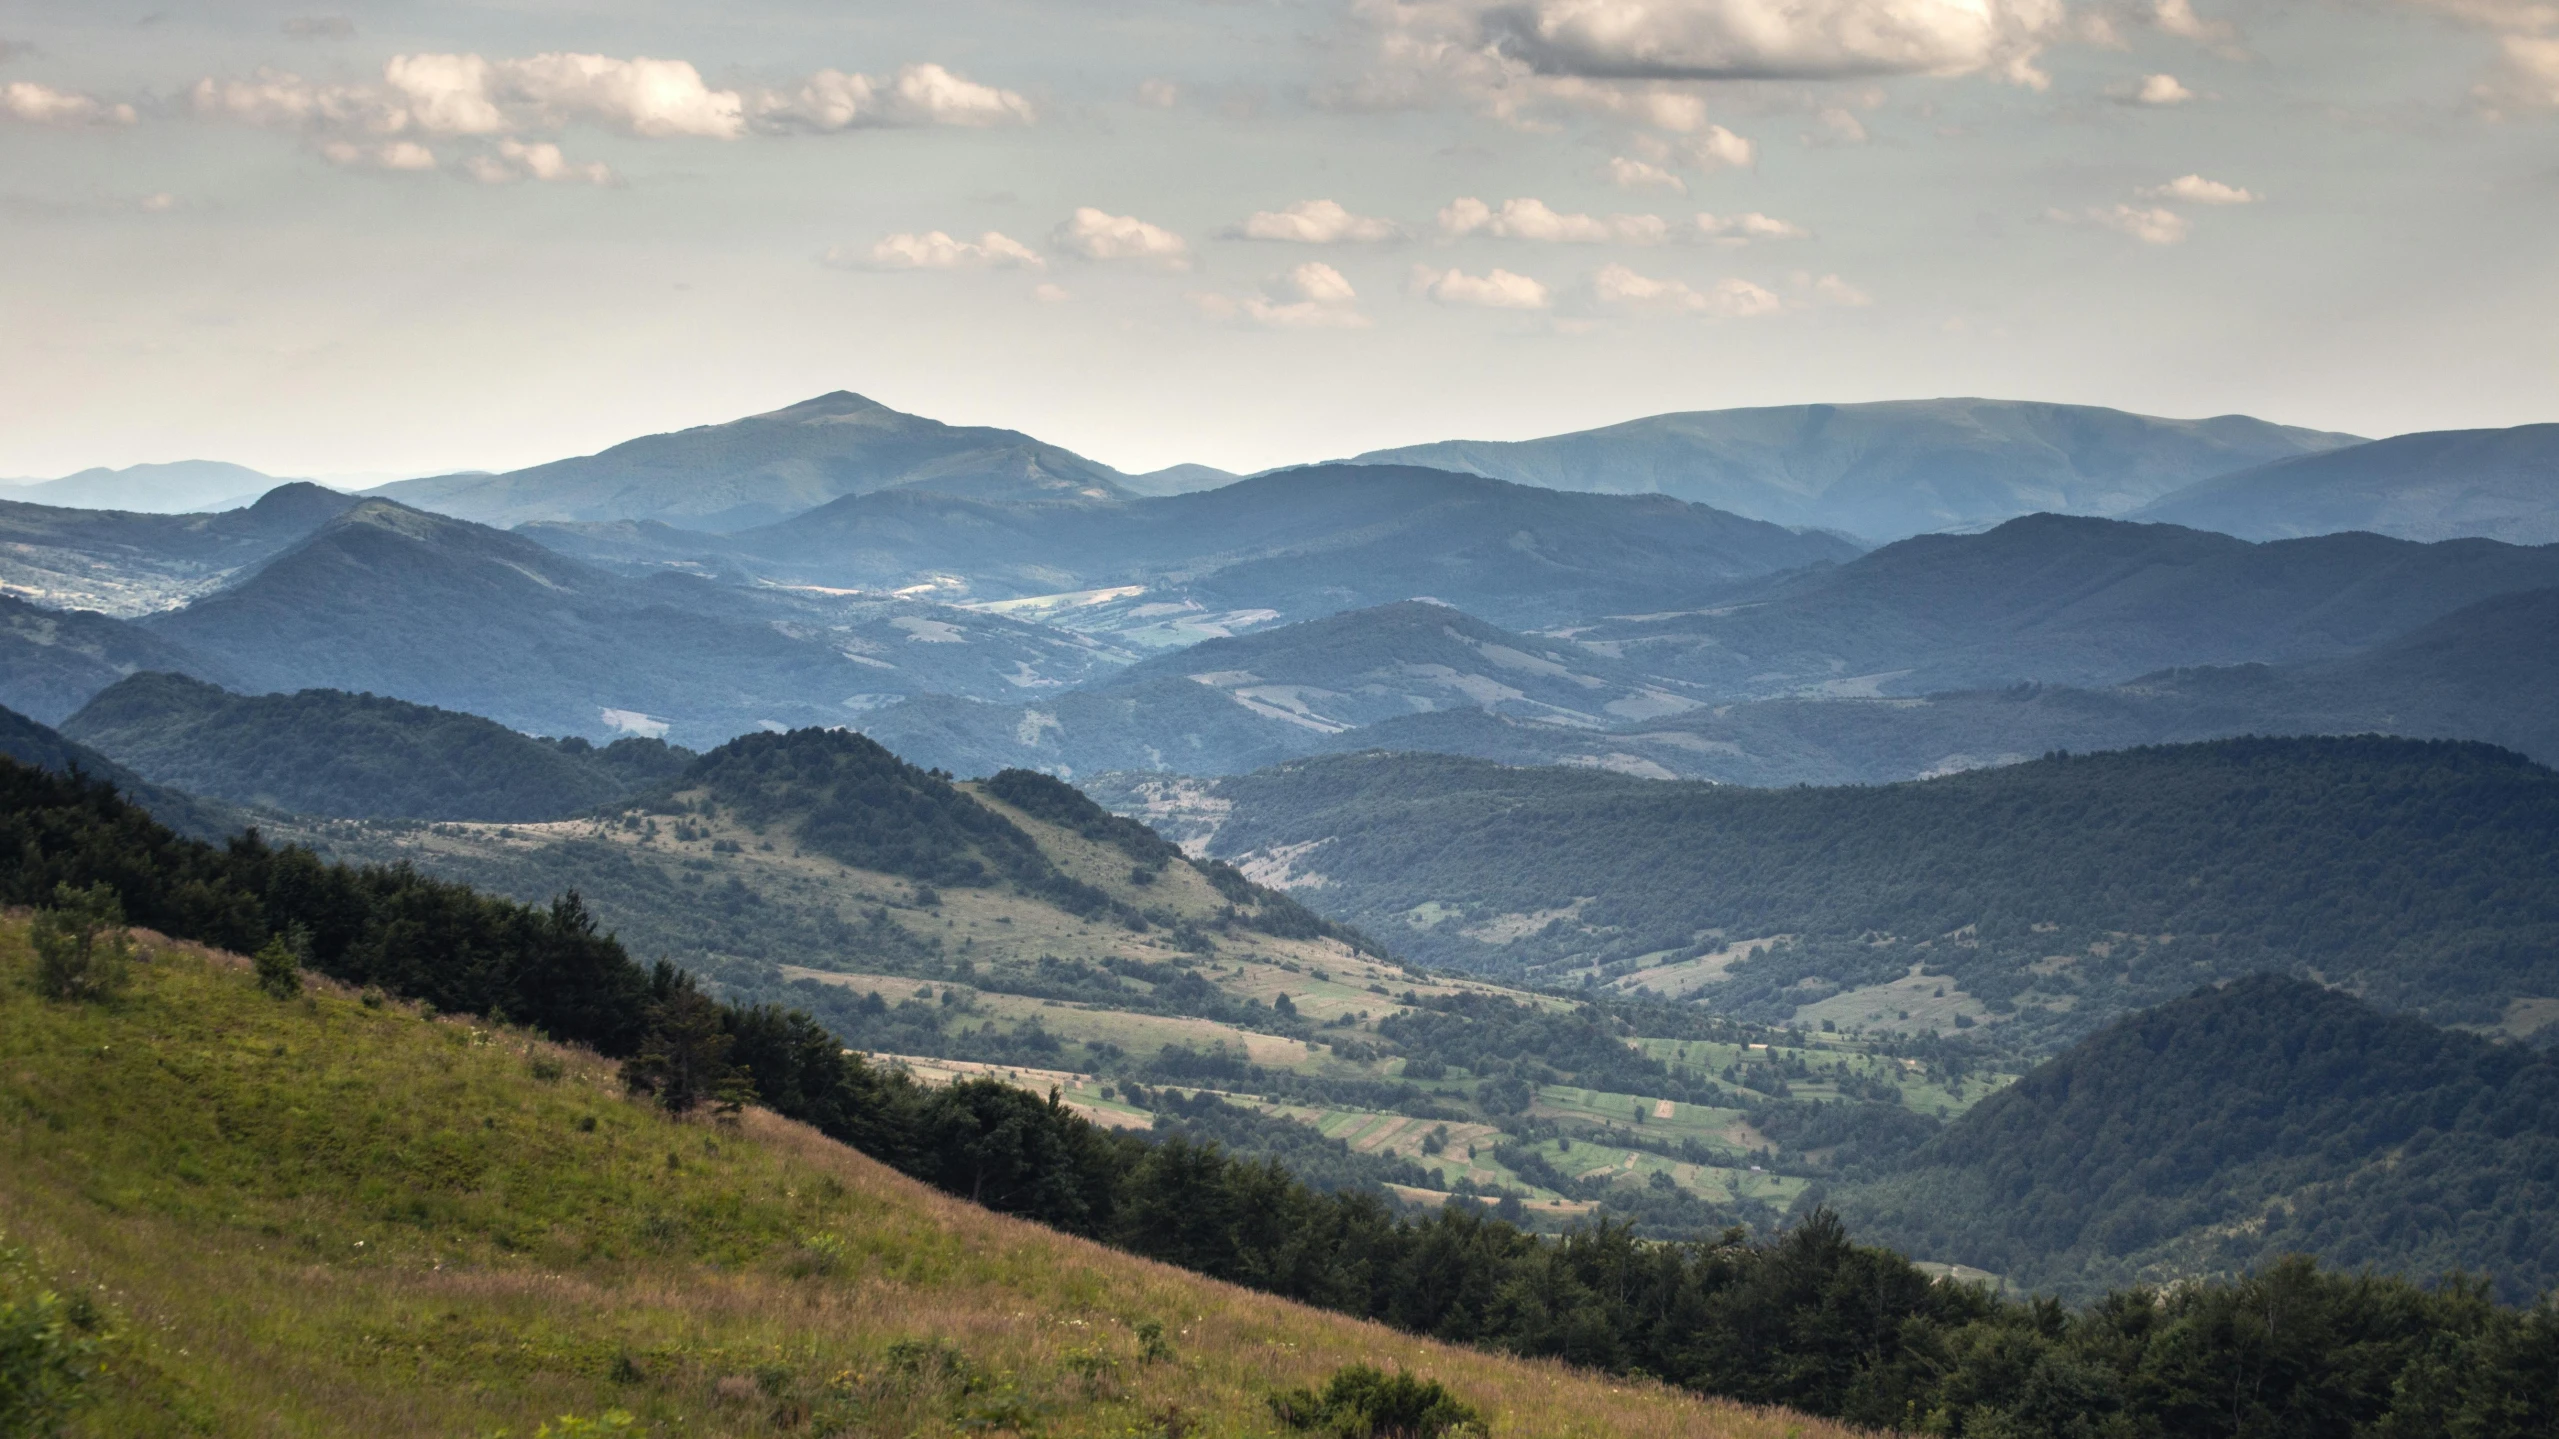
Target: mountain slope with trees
column 2221, row 1131
column 356, row 756
column 2061, row 892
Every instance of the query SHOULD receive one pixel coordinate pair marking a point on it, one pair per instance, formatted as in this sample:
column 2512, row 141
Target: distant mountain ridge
column 2503, row 484
column 181, row 487
column 1888, row 469
column 1301, row 543
column 766, row 468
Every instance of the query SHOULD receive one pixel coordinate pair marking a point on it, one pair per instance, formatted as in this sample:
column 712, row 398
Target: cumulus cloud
column 319, row 27
column 1628, row 174
column 398, row 155
column 2526, row 76
column 44, row 105
column 1099, row 235
column 1832, row 290
column 1619, row 288
column 511, row 160
column 2157, row 91
column 2196, row 190
column 2178, row 18
column 1311, row 296
column 1316, row 222
column 1836, row 126
column 934, row 250
column 1495, row 289
column 1525, row 218
column 426, row 96
column 1741, row 229
column 1488, row 42
column 2150, row 224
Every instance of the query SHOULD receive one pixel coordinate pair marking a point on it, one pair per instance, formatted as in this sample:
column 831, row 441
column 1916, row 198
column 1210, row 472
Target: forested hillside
column 2221, row 1131
column 327, row 752
column 2059, row 893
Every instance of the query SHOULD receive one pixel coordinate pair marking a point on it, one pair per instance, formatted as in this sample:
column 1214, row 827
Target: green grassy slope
column 319, row 1216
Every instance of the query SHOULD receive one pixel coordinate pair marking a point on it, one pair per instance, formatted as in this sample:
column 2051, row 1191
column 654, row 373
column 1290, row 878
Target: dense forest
column 358, row 756
column 2059, row 893
column 1808, row 1319
column 2219, row 1132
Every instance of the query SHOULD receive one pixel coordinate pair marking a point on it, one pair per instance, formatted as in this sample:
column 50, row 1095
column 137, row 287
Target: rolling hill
column 52, row 661
column 2216, row 1133
column 1890, row 469
column 2501, row 484
column 354, row 756
column 2052, row 896
column 1301, row 543
column 765, row 468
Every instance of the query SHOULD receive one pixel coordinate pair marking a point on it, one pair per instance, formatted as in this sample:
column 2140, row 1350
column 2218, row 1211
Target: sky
column 381, row 239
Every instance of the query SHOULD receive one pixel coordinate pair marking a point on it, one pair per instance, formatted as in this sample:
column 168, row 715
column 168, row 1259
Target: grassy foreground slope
column 322, row 1216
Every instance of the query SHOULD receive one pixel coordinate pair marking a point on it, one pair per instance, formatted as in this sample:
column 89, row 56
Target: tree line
column 1808, row 1319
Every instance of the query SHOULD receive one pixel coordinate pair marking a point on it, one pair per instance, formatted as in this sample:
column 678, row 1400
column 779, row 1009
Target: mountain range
column 2503, row 484
column 1890, row 469
column 127, row 563
column 769, row 467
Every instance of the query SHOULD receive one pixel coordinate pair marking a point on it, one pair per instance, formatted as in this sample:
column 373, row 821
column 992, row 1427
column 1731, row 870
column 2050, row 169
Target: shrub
column 48, row 1349
column 1365, row 1403
column 82, row 950
column 279, row 963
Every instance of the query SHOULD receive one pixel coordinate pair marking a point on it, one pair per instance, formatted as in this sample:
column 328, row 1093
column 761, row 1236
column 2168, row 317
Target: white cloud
column 2178, row 18
column 1495, row 289
column 2150, row 224
column 934, row 250
column 43, row 105
column 2158, row 91
column 2526, row 76
column 2196, row 190
column 1048, row 294
column 1532, row 219
column 1628, row 174
column 404, row 155
column 512, row 160
column 1100, row 235
column 1316, row 222
column 1311, row 296
column 1619, row 288
column 1832, row 290
column 434, row 95
column 1487, row 43
column 1717, row 148
column 1158, row 94
column 1836, row 126
column 1741, row 229
column 159, row 204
